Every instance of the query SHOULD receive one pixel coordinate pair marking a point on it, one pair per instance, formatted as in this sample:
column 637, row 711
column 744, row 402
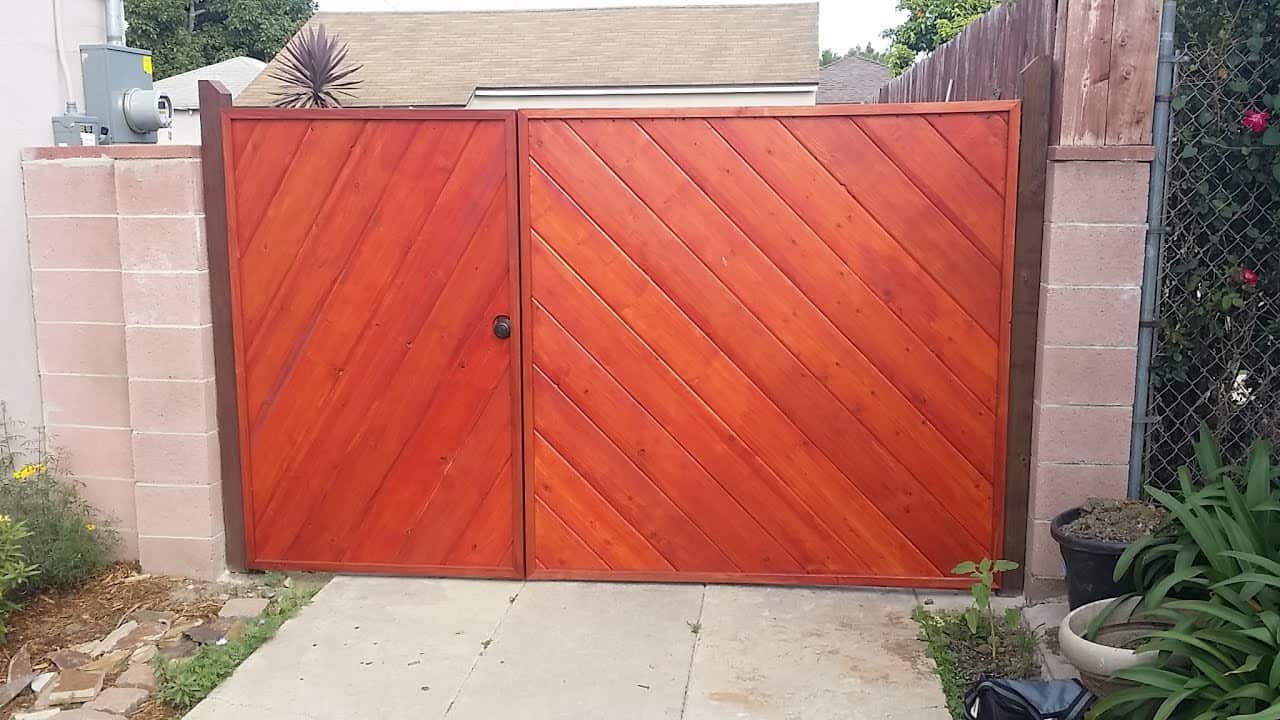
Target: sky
column 842, row 24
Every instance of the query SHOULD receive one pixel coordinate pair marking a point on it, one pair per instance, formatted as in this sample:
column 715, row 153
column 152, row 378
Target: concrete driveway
column 371, row 647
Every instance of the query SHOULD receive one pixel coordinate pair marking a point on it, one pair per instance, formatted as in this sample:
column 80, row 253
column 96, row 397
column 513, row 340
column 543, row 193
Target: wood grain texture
column 767, row 346
column 379, row 417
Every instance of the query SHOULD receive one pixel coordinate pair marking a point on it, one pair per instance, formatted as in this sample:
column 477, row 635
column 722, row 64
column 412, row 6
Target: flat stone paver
column 431, row 649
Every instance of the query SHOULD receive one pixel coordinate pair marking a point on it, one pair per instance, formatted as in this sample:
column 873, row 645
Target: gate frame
column 1009, row 524
column 1010, row 494
column 228, row 348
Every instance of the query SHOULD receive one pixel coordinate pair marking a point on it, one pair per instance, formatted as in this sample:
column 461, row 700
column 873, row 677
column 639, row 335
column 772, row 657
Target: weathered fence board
column 984, row 61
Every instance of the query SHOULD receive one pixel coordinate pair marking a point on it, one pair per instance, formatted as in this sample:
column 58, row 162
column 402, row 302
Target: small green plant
column 65, row 540
column 14, row 568
column 184, row 683
column 1213, row 576
column 984, row 574
column 694, row 627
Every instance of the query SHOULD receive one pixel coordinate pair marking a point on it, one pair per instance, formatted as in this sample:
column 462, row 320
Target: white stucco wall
column 32, row 92
column 184, row 131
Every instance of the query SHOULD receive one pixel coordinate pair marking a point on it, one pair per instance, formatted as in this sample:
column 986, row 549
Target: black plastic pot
column 1091, row 564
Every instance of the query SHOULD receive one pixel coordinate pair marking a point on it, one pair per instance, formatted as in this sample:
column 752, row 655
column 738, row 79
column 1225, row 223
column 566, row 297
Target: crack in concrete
column 484, row 648
column 693, row 651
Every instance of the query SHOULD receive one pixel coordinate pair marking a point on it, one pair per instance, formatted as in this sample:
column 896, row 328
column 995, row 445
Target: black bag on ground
column 1027, row 700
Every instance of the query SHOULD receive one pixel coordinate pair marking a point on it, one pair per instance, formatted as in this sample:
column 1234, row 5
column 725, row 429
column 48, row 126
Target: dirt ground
column 60, row 619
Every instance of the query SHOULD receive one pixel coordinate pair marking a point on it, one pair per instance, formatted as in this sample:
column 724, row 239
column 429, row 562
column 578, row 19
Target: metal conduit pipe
column 116, row 24
column 1156, row 231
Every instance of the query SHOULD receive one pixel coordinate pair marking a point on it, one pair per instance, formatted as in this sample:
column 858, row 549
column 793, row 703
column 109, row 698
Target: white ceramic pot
column 1098, row 661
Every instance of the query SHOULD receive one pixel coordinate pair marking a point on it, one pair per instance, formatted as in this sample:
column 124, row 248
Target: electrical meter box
column 119, row 94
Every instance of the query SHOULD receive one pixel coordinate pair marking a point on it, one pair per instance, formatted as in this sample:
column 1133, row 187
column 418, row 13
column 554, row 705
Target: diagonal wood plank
column 944, row 176
column 848, row 334
column 662, row 325
column 742, row 535
column 585, row 511
column 874, row 257
column 981, row 139
column 713, row 307
column 909, row 216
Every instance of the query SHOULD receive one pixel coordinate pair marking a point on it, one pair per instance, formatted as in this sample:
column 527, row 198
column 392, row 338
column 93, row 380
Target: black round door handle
column 502, row 326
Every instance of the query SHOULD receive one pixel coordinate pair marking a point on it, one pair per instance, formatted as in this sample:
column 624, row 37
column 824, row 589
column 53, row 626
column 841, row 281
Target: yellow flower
column 90, row 527
column 5, row 519
column 28, row 470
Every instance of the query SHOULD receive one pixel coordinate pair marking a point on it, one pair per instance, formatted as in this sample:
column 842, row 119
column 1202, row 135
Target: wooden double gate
column 759, row 345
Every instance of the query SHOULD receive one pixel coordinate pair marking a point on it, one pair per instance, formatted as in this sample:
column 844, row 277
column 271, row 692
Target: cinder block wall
column 125, row 344
column 1087, row 347
column 121, row 288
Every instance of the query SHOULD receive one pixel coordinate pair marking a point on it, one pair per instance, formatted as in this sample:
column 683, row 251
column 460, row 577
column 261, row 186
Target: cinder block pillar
column 125, row 343
column 1087, row 354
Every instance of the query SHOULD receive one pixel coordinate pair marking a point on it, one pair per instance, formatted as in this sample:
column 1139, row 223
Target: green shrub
column 64, row 539
column 14, row 568
column 1215, row 578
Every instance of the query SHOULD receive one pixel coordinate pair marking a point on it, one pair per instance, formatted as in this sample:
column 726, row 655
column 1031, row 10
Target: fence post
column 214, row 98
column 1148, row 322
column 1035, row 89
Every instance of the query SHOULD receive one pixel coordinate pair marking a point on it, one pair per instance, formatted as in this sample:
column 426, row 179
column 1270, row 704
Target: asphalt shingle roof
column 851, row 80
column 235, row 74
column 440, row 58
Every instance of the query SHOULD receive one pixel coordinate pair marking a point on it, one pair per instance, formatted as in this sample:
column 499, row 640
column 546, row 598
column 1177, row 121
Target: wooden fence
column 1104, row 58
column 984, row 61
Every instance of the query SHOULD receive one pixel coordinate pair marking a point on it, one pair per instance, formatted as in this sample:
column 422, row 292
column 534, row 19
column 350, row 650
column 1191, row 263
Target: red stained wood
column 369, row 256
column 764, row 345
column 783, row 307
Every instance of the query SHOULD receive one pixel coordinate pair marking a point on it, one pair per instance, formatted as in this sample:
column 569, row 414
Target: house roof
column 235, row 74
column 851, row 79
column 440, row 58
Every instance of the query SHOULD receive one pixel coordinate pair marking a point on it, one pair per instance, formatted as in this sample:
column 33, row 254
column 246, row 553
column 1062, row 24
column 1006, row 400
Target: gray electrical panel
column 119, row 95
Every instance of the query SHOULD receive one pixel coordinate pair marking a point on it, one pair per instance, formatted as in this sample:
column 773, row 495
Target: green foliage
column 63, row 538
column 963, row 659
column 1214, row 577
column 187, row 34
column 979, row 617
column 313, row 71
column 184, row 683
column 1218, row 353
column 14, row 568
column 866, row 52
column 929, row 24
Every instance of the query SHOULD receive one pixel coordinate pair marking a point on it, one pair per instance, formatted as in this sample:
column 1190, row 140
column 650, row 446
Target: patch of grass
column 964, row 658
column 183, row 683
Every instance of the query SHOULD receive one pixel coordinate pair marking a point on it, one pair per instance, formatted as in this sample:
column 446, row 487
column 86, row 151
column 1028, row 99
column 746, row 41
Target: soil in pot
column 1092, row 538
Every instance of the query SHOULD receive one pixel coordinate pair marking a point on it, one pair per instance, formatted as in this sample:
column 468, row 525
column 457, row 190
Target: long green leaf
column 1171, row 704
column 1271, row 713
column 1258, row 473
column 1155, row 677
column 1222, row 612
column 1264, row 562
column 1155, row 596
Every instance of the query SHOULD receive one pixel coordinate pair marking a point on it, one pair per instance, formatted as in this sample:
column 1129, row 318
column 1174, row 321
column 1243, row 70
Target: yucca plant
column 314, row 72
column 1214, row 576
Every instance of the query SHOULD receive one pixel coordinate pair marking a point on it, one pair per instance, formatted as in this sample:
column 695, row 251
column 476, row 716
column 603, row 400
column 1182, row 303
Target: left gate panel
column 370, row 254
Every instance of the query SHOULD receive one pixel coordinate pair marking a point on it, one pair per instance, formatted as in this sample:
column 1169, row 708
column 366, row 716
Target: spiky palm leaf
column 314, row 72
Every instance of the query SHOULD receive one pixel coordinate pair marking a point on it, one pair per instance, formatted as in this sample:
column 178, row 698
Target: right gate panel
column 767, row 346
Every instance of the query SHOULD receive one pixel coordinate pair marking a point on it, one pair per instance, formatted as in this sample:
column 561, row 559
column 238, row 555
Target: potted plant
column 1101, row 638
column 1092, row 538
column 1213, row 574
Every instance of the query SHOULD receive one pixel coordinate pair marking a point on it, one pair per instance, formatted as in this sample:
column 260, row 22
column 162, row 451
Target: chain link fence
column 1217, row 353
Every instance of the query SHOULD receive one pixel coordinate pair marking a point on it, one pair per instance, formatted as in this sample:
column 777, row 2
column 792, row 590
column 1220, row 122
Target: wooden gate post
column 214, row 98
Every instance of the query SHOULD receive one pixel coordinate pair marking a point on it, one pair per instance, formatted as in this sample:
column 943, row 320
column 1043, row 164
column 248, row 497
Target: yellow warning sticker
column 146, row 64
